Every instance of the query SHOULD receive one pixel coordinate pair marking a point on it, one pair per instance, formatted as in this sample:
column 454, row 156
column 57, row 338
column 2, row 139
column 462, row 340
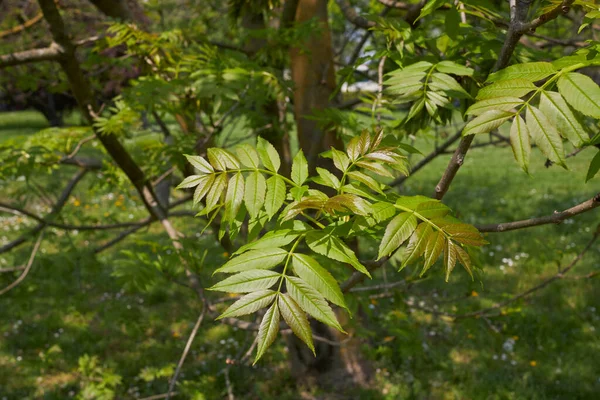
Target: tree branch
column 188, row 345
column 27, row 267
column 55, row 210
column 555, row 218
column 27, row 24
column 352, row 16
column 516, row 29
column 50, row 53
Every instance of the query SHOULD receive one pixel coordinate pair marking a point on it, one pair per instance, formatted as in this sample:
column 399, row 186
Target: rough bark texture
column 314, row 80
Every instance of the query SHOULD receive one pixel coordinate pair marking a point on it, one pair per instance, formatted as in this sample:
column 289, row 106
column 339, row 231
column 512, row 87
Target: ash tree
column 264, row 137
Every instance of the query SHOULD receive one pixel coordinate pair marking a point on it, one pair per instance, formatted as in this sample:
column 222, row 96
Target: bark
column 335, row 367
column 254, row 20
column 313, row 75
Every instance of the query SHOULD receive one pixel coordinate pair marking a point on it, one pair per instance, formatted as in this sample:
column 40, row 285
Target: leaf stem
column 287, row 261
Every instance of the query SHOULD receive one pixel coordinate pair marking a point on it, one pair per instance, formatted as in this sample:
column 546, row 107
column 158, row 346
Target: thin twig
column 27, row 267
column 188, row 345
column 555, row 218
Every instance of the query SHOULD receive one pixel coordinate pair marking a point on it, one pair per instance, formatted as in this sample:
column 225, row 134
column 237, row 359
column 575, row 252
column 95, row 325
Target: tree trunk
column 335, row 367
column 313, row 74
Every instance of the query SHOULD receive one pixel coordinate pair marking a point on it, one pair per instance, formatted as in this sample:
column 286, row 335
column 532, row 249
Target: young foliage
column 428, row 86
column 281, row 271
column 547, row 103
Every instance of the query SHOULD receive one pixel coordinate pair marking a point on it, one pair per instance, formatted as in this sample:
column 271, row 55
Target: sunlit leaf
column 519, row 141
column 254, row 196
column 267, row 332
column 545, row 135
column 275, row 195
column 318, row 277
column 247, row 155
column 234, row 196
column 560, row 115
column 328, row 245
column 299, row 168
column 311, row 301
column 248, row 281
column 249, row 304
column 397, row 231
column 487, row 122
column 254, row 259
column 581, row 92
column 268, row 155
column 296, row 319
column 532, row 72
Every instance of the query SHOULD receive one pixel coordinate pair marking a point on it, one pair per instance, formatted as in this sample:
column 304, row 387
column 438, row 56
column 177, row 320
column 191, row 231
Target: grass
column 79, row 320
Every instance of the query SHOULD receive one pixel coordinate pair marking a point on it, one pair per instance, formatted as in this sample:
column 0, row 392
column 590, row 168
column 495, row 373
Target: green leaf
column 450, row 257
column 430, row 7
column 249, row 303
column 375, row 167
column 447, row 84
column 364, row 142
column 268, row 155
column 234, row 196
column 191, row 181
column 416, row 244
column 318, row 277
column 519, row 141
column 412, row 202
column 248, row 281
column 486, row 122
column 340, row 159
column 254, row 197
column 397, row 231
column 465, row 234
column 221, row 159
column 203, row 188
column 247, row 155
column 278, row 238
column 267, row 332
column 275, row 195
column 545, row 135
column 560, row 115
column 405, row 86
column 532, row 72
column 299, row 168
column 594, row 167
column 415, row 109
column 200, row 164
column 366, row 180
column 311, row 301
column 352, row 149
column 581, row 92
column 254, row 259
column 327, row 179
column 464, row 259
column 432, row 209
column 433, row 249
column 324, row 243
column 383, row 211
column 216, row 191
column 296, row 319
column 508, row 88
column 496, row 103
column 450, row 67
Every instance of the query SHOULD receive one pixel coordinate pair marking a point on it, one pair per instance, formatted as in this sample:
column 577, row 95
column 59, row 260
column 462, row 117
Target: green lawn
column 79, row 319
